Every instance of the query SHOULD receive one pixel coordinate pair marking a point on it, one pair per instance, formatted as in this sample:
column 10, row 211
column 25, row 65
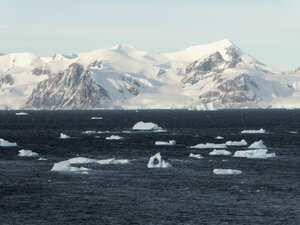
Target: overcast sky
column 269, row 30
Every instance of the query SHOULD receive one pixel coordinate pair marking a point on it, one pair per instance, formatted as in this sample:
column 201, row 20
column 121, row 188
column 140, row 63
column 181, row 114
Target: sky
column 268, row 30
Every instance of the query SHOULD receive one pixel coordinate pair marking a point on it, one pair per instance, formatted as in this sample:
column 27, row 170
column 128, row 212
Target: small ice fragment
column 64, row 136
column 21, row 114
column 219, row 138
column 197, row 156
column 160, row 164
column 255, row 154
column 220, row 152
column 96, row 118
column 146, row 126
column 260, row 131
column 293, row 132
column 89, row 132
column 27, row 153
column 114, row 137
column 227, row 172
column 236, row 143
column 258, row 144
column 209, row 145
column 171, row 142
column 42, row 159
column 4, row 143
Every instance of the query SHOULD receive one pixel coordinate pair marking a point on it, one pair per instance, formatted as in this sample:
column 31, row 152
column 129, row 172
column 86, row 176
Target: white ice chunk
column 27, row 153
column 197, row 156
column 89, row 132
column 255, row 154
column 146, row 126
column 96, row 118
column 114, row 137
column 64, row 136
column 260, row 131
column 113, row 161
column 171, row 142
column 81, row 160
column 258, row 144
column 220, row 152
column 219, row 138
column 65, row 166
column 4, row 143
column 293, row 132
column 21, row 114
column 161, row 163
column 236, row 143
column 42, row 159
column 227, row 172
column 209, row 145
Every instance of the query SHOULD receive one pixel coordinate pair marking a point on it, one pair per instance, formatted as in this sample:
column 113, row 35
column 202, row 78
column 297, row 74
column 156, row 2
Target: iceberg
column 161, row 163
column 83, row 160
column 227, row 172
column 65, row 166
column 146, row 126
column 209, row 145
column 113, row 161
column 255, row 154
column 96, row 118
column 172, row 142
column 293, row 132
column 219, row 138
column 4, row 143
column 21, row 114
column 114, row 137
column 236, row 143
column 27, row 153
column 64, row 136
column 258, row 144
column 220, row 152
column 89, row 132
column 42, row 159
column 197, row 156
column 260, row 131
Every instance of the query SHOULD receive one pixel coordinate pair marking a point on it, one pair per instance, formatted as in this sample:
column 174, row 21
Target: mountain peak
column 123, row 47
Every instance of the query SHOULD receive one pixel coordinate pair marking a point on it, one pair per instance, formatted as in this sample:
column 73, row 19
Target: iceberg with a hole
column 236, row 143
column 114, row 137
column 227, row 171
column 27, row 153
column 209, row 145
column 257, row 145
column 171, row 142
column 4, row 143
column 254, row 154
column 220, row 152
column 260, row 131
column 64, row 136
column 146, row 126
column 160, row 162
column 196, row 156
column 65, row 166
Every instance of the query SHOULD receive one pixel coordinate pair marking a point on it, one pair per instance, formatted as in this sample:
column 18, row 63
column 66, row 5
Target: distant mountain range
column 211, row 76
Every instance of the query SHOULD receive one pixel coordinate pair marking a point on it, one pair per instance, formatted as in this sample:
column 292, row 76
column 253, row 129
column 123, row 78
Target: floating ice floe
column 255, row 154
column 4, row 143
column 197, row 156
column 172, row 142
column 114, row 137
column 220, row 152
column 260, row 131
column 227, row 172
column 83, row 160
column 258, row 144
column 21, row 114
column 65, row 166
column 146, row 126
column 219, row 138
column 27, row 153
column 293, row 132
column 96, row 118
column 209, row 145
column 236, row 143
column 160, row 164
column 42, row 159
column 64, row 136
column 89, row 132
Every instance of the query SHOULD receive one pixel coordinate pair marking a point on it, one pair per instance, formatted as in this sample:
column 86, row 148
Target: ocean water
column 267, row 191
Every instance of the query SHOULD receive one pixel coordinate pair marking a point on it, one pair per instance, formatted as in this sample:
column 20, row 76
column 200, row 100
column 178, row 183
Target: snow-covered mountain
column 211, row 76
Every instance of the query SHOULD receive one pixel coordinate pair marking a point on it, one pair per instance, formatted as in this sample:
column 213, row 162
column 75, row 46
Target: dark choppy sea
column 267, row 192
